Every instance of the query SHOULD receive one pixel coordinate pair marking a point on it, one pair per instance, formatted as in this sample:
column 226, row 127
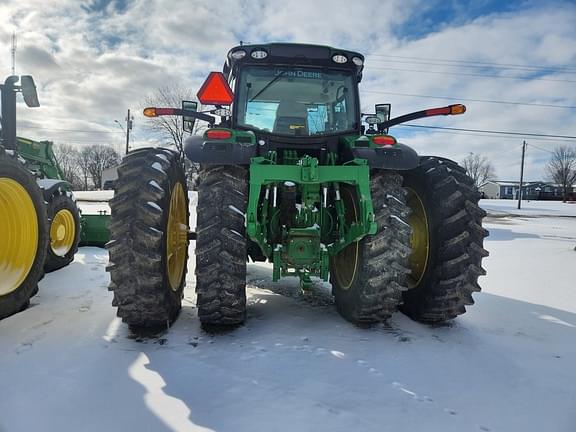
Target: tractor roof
column 293, row 54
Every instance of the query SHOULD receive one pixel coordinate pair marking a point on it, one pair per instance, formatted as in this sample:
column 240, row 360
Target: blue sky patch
column 433, row 16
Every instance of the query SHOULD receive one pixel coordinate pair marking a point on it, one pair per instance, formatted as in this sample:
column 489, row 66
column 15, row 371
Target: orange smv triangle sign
column 215, row 90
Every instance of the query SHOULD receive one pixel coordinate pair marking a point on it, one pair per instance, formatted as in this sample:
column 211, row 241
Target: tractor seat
column 291, row 118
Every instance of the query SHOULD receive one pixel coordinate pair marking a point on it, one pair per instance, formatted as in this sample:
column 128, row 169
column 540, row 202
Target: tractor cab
column 296, row 97
column 294, row 90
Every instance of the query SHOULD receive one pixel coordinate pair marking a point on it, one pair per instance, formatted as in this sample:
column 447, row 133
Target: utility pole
column 129, row 122
column 13, row 52
column 521, row 174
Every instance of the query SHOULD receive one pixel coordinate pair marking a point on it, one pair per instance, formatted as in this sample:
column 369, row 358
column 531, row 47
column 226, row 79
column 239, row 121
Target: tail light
column 155, row 112
column 218, row 134
column 384, row 140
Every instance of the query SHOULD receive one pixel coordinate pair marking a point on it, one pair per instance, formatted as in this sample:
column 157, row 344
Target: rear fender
column 50, row 187
column 397, row 157
column 220, row 152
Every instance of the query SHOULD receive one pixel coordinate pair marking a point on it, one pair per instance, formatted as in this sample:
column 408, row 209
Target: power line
column 540, row 148
column 566, row 137
column 570, row 68
column 83, row 143
column 511, row 68
column 513, row 149
column 473, row 75
column 472, row 100
column 494, row 136
column 67, row 130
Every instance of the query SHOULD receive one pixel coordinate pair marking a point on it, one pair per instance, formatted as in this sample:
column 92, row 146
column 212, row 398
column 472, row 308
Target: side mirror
column 383, row 112
column 29, row 91
column 188, row 122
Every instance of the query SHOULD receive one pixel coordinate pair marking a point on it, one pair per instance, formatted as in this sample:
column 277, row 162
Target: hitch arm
column 448, row 110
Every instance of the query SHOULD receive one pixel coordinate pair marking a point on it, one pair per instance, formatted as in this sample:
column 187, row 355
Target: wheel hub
column 61, row 233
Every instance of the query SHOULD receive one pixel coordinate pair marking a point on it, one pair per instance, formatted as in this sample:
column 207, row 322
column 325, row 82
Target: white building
column 490, row 190
column 109, row 175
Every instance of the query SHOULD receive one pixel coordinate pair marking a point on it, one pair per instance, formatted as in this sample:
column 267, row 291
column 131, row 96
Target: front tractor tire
column 64, row 228
column 149, row 238
column 368, row 277
column 23, row 235
column 447, row 241
column 221, row 245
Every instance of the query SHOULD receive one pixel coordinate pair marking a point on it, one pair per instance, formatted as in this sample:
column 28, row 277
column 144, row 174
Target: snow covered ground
column 508, row 365
column 529, row 208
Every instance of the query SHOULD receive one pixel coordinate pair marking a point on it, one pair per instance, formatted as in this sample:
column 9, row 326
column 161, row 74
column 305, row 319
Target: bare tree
column 562, row 168
column 479, row 168
column 92, row 161
column 100, row 157
column 169, row 127
column 83, row 161
column 67, row 159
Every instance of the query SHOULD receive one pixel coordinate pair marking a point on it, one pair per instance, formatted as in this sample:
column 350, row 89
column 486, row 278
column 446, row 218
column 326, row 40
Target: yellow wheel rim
column 420, row 240
column 62, row 232
column 346, row 261
column 19, row 229
column 177, row 240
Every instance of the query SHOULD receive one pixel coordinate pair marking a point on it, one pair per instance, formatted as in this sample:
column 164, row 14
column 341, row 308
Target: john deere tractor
column 39, row 220
column 294, row 174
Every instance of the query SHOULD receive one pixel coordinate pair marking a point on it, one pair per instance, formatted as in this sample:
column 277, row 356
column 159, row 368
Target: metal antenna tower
column 13, row 51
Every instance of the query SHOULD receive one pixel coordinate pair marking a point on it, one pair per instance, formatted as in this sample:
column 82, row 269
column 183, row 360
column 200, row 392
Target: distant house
column 490, row 190
column 555, row 192
column 500, row 189
column 537, row 190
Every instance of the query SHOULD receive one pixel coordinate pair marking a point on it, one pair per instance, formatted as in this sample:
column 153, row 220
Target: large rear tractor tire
column 149, row 238
column 221, row 245
column 447, row 240
column 23, row 235
column 368, row 277
column 64, row 223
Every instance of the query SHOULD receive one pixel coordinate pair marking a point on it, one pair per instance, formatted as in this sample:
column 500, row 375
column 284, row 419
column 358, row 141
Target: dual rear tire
column 148, row 245
column 368, row 277
column 221, row 245
column 149, row 241
column 427, row 255
column 447, row 240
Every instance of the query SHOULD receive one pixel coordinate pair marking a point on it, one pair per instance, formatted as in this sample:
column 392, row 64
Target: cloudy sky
column 513, row 63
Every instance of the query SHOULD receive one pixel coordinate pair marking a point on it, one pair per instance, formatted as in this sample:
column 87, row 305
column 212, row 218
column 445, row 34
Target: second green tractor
column 294, row 173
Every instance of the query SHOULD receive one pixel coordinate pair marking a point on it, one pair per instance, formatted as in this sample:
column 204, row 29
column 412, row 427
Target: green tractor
column 39, row 220
column 92, row 229
column 294, row 174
